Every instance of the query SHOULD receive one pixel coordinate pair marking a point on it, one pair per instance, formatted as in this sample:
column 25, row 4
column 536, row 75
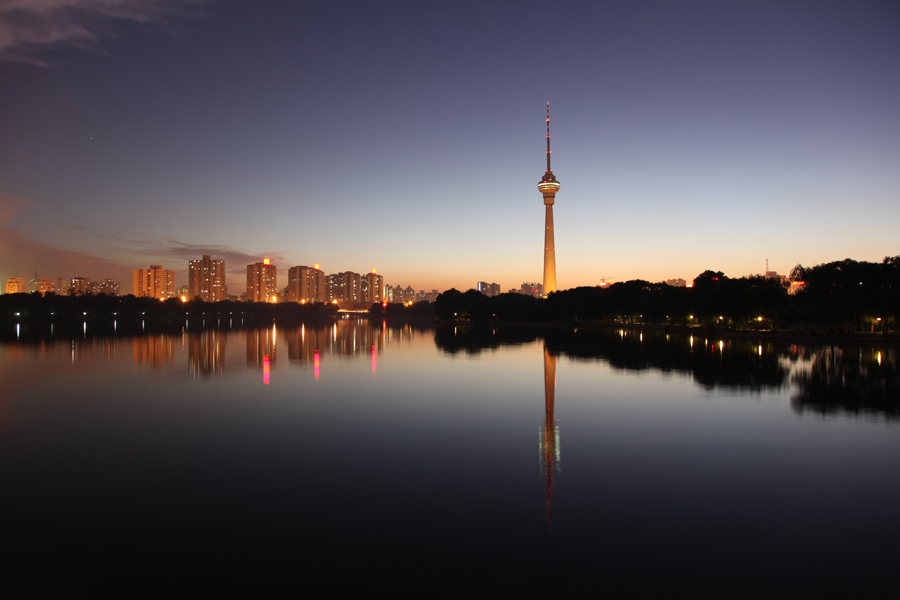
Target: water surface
column 492, row 461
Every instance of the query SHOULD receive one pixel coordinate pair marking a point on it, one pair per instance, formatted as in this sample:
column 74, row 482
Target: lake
column 478, row 461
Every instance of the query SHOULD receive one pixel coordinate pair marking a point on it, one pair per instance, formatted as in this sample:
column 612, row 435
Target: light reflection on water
column 406, row 455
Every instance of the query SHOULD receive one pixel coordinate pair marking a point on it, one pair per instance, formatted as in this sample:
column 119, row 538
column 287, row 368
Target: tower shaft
column 549, row 252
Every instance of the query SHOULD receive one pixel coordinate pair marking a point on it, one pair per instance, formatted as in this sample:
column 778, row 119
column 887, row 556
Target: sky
column 409, row 137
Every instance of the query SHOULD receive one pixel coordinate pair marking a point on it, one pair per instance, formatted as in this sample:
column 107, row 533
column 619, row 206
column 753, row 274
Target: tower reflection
column 549, row 433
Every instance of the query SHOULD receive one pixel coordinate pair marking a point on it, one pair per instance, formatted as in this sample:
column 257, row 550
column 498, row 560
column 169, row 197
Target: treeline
column 839, row 296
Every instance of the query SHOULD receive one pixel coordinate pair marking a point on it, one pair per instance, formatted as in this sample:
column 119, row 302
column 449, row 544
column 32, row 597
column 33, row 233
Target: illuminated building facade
column 15, row 285
column 262, row 282
column 344, row 287
column 45, row 285
column 488, row 289
column 424, row 296
column 397, row 293
column 307, row 284
column 108, row 287
column 530, row 289
column 80, row 286
column 206, row 279
column 62, row 287
column 372, row 288
column 548, row 186
column 154, row 282
column 41, row 286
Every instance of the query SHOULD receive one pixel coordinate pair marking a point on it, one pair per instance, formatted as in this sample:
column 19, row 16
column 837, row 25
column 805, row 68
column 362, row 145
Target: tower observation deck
column 548, row 186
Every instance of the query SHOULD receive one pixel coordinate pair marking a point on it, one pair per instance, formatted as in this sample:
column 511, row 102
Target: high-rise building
column 488, row 289
column 262, row 282
column 423, row 296
column 530, row 289
column 344, row 287
column 307, row 284
column 154, row 282
column 548, row 186
column 206, row 279
column 108, row 287
column 397, row 293
column 80, row 286
column 15, row 285
column 372, row 288
column 44, row 286
column 62, row 286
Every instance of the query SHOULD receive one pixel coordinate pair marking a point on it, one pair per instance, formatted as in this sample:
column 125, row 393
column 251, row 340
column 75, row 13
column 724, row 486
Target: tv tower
column 548, row 186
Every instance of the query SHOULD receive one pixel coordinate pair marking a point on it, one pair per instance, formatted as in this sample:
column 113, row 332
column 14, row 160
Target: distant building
column 488, row 289
column 80, row 286
column 424, row 296
column 41, row 286
column 530, row 289
column 677, row 282
column 334, row 287
column 344, row 287
column 44, row 286
column 397, row 293
column 154, row 282
column 262, row 282
column 108, row 287
column 372, row 288
column 62, row 286
column 307, row 284
column 15, row 285
column 206, row 279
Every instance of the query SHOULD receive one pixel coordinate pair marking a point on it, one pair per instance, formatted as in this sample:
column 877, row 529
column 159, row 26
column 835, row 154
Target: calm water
column 447, row 462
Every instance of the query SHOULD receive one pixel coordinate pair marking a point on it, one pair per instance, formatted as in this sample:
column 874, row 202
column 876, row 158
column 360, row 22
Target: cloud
column 106, row 254
column 30, row 26
column 10, row 205
column 22, row 256
column 169, row 248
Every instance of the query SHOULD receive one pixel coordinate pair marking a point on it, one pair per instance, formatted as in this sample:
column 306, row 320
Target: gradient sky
column 409, row 137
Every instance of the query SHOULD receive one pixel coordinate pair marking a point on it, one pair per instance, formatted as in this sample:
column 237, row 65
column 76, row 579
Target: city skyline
column 691, row 137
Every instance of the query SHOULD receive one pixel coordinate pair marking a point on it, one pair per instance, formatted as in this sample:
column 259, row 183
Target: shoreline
column 797, row 337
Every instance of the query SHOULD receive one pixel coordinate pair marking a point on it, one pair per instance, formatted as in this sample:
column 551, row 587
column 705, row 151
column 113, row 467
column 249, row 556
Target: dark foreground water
column 451, row 463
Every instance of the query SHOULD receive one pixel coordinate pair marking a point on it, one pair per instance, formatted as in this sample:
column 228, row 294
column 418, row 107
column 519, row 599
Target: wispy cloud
column 169, row 248
column 98, row 254
column 10, row 205
column 23, row 256
column 28, row 27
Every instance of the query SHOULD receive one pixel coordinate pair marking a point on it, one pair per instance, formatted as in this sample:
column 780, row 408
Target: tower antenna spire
column 548, row 135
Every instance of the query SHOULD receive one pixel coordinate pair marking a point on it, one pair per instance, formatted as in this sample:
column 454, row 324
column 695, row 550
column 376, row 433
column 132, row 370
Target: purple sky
column 408, row 137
